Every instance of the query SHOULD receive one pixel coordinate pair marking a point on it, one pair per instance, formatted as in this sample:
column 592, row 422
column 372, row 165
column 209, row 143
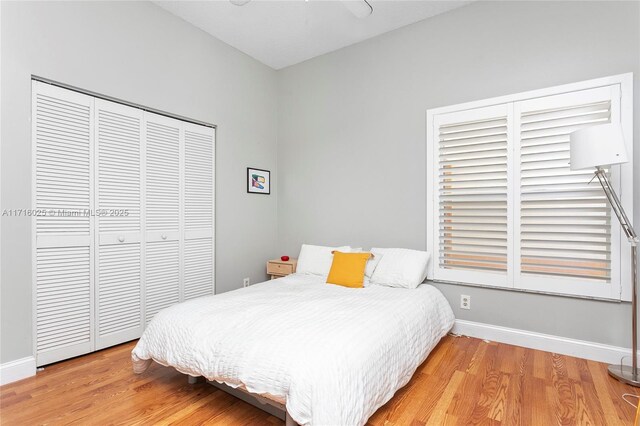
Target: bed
column 329, row 354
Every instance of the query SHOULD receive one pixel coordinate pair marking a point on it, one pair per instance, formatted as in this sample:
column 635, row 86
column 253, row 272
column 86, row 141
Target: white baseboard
column 544, row 342
column 17, row 370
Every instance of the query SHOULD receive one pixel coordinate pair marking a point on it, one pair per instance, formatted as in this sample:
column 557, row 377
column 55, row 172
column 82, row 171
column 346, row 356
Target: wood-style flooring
column 464, row 381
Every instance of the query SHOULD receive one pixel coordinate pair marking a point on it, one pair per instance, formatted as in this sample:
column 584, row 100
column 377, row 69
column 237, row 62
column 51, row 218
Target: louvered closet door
column 62, row 229
column 566, row 237
column 163, row 154
column 119, row 298
column 199, row 163
column 473, row 227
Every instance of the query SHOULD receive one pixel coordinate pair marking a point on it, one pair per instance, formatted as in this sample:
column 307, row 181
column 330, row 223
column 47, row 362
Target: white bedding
column 334, row 354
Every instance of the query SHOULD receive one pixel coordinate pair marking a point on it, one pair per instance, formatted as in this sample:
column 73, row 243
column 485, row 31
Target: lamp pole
column 621, row 372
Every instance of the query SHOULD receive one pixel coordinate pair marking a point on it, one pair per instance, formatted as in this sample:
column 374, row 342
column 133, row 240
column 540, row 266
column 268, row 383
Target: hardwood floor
column 464, row 381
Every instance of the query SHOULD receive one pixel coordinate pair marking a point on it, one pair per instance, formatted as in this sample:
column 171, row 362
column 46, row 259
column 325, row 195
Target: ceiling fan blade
column 360, row 8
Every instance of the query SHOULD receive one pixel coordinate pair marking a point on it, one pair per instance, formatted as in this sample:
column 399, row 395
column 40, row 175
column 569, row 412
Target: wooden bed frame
column 272, row 405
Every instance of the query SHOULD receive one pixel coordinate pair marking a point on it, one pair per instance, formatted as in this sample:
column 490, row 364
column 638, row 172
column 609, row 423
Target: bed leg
column 192, row 380
column 288, row 420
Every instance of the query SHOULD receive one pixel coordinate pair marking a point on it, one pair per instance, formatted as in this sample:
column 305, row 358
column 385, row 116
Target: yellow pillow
column 347, row 269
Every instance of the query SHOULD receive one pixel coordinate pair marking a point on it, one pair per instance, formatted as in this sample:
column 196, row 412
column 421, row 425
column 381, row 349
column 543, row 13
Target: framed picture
column 258, row 181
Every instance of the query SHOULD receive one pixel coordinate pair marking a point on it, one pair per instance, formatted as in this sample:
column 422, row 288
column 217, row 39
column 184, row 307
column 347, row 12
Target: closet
column 123, row 220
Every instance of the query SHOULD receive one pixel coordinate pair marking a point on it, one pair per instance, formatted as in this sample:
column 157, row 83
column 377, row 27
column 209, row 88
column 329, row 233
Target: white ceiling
column 283, row 33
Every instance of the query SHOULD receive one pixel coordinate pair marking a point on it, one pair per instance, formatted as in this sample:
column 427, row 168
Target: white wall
column 351, row 133
column 140, row 53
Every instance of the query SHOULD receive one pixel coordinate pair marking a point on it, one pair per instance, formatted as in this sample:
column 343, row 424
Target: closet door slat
column 62, row 231
column 199, row 221
column 162, row 276
column 119, row 298
column 162, row 199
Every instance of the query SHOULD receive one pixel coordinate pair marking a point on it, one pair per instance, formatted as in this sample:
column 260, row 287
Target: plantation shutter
column 163, row 153
column 198, row 204
column 564, row 224
column 62, row 227
column 118, row 200
column 472, row 195
column 507, row 209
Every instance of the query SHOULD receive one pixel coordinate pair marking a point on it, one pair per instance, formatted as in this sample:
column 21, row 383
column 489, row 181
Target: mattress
column 332, row 354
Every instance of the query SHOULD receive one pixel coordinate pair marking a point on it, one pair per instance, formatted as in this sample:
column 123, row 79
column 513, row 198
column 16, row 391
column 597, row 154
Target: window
column 504, row 208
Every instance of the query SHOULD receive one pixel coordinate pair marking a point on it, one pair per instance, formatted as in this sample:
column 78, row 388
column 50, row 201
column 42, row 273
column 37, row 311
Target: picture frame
column 258, row 181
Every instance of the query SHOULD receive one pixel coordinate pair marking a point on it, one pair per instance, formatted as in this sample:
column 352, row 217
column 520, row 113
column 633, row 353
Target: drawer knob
column 121, row 238
column 163, row 236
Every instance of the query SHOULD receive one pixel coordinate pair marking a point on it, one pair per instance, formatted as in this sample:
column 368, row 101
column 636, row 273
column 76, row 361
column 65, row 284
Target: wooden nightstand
column 280, row 268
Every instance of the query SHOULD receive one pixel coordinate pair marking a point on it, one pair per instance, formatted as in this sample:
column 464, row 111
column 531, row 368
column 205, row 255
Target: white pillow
column 317, row 260
column 373, row 262
column 400, row 267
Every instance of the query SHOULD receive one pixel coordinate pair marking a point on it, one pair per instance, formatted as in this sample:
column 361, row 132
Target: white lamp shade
column 596, row 146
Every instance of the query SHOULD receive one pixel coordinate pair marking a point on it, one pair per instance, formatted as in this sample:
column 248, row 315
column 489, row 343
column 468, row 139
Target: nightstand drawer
column 279, row 268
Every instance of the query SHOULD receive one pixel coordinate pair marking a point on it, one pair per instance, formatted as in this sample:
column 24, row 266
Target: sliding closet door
column 123, row 222
column 62, row 227
column 118, row 202
column 163, row 200
column 199, row 187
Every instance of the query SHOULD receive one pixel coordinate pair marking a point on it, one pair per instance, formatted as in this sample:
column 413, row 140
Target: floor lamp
column 600, row 146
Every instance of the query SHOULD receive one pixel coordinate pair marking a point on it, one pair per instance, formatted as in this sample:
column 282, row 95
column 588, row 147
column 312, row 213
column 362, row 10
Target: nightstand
column 280, row 268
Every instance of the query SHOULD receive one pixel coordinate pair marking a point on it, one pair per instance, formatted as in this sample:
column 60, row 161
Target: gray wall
column 139, row 53
column 331, row 124
column 351, row 133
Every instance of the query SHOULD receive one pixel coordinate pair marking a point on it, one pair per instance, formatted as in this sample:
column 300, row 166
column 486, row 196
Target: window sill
column 520, row 290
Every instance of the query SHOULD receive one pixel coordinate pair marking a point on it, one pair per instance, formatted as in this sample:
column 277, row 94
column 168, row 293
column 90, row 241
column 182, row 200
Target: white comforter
column 334, row 354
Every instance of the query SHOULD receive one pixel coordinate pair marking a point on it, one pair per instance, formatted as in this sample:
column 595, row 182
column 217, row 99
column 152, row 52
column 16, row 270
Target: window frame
column 619, row 286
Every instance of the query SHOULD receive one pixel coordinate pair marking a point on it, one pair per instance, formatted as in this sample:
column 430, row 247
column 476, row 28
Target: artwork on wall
column 258, row 181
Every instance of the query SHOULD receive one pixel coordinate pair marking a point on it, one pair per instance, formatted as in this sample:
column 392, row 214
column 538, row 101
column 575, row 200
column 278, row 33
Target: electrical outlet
column 246, row 282
column 465, row 301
